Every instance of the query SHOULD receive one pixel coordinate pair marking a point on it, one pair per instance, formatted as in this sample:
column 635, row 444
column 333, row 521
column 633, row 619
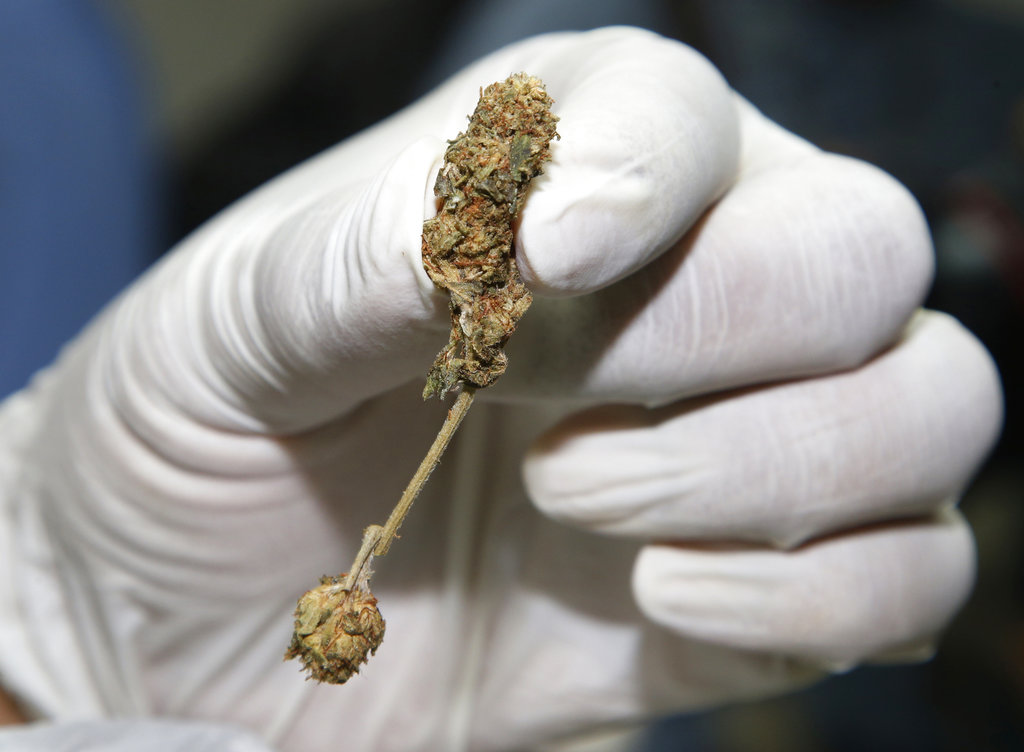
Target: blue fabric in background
column 77, row 188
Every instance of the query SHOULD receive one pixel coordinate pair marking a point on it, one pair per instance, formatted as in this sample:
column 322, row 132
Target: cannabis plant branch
column 467, row 251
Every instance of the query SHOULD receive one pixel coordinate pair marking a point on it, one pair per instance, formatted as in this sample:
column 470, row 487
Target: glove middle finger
column 895, row 438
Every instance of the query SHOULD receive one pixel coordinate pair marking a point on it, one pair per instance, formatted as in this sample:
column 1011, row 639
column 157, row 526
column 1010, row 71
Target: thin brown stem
column 377, row 538
column 451, row 423
column 359, row 573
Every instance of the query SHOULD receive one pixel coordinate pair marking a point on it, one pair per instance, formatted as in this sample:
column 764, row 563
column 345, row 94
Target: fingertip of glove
column 649, row 139
column 836, row 601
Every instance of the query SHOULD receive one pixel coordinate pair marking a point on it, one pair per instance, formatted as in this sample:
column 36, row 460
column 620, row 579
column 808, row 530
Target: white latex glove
column 770, row 497
column 148, row 735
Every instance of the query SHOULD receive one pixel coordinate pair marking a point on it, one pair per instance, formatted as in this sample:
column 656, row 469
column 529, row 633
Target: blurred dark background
column 127, row 123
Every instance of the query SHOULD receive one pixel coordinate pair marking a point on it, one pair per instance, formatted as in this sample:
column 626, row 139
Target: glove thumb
column 295, row 304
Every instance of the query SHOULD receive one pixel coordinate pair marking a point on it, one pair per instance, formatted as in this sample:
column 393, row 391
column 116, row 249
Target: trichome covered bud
column 467, row 247
column 335, row 630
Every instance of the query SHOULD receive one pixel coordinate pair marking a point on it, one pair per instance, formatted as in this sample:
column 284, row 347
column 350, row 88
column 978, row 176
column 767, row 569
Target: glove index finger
column 649, row 139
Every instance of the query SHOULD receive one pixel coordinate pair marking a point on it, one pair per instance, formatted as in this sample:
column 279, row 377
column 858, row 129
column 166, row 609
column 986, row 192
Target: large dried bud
column 467, row 248
column 335, row 630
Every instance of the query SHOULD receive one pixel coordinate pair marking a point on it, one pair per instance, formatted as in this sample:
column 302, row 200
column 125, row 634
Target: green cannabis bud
column 336, row 630
column 467, row 247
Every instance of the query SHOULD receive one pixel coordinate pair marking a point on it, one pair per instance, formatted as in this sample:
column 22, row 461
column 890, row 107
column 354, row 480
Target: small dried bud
column 335, row 630
column 467, row 248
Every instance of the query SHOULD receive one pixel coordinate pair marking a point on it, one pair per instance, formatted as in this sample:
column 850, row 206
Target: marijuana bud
column 335, row 630
column 468, row 251
column 467, row 247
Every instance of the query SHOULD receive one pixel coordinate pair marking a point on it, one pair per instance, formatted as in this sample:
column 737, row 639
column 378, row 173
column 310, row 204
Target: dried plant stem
column 451, row 424
column 358, row 576
column 377, row 538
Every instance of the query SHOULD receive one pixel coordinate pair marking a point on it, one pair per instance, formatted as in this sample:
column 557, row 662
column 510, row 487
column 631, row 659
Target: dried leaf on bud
column 467, row 247
column 335, row 630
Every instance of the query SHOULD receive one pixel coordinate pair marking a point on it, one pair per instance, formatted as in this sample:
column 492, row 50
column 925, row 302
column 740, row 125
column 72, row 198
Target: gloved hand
column 760, row 487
